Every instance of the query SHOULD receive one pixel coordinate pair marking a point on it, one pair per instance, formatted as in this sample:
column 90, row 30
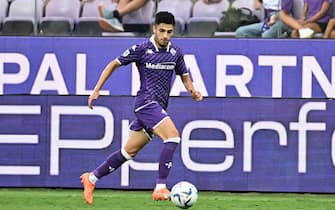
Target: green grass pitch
column 71, row 199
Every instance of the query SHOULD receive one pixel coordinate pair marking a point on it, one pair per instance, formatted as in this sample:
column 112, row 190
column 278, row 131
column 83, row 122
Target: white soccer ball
column 184, row 194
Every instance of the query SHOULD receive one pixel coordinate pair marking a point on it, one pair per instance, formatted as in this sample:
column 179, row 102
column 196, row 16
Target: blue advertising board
column 219, row 67
column 228, row 144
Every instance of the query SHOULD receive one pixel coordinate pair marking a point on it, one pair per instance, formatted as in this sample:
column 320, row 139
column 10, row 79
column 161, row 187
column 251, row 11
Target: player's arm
column 196, row 95
column 109, row 69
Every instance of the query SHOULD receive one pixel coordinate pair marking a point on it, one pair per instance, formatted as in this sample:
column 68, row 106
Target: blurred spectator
column 269, row 28
column 112, row 19
column 314, row 18
column 330, row 30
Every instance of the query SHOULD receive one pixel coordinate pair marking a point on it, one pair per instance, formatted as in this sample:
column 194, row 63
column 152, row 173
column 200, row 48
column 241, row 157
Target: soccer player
column 157, row 60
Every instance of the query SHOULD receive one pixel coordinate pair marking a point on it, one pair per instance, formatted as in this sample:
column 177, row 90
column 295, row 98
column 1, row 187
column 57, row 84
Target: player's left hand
column 196, row 95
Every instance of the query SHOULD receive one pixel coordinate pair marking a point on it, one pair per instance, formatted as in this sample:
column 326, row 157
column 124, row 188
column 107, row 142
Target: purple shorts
column 148, row 117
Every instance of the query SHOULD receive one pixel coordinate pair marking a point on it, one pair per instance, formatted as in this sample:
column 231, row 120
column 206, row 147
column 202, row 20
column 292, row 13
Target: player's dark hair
column 164, row 17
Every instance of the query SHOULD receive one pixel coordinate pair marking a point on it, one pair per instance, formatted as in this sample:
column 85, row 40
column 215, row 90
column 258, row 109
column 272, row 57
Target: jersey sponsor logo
column 161, row 66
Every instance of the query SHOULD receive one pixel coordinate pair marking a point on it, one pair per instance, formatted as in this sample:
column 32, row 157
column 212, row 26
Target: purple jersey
column 156, row 68
column 314, row 6
column 286, row 6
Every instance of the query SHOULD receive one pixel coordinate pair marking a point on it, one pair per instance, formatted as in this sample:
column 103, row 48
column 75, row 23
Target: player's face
column 163, row 33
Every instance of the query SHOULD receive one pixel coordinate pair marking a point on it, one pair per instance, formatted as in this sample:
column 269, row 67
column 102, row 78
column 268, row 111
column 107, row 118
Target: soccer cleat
column 161, row 194
column 88, row 188
column 111, row 25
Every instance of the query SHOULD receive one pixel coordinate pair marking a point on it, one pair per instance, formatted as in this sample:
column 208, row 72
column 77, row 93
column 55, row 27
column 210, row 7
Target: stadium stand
column 60, row 17
column 22, row 17
column 181, row 9
column 205, row 19
column 87, row 23
column 194, row 18
column 137, row 23
column 297, row 10
column 140, row 20
column 250, row 5
column 3, row 11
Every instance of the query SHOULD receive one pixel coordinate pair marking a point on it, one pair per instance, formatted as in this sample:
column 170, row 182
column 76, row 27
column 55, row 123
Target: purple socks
column 116, row 159
column 112, row 162
column 165, row 161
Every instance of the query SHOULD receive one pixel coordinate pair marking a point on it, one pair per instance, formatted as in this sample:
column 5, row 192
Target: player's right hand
column 196, row 95
column 91, row 98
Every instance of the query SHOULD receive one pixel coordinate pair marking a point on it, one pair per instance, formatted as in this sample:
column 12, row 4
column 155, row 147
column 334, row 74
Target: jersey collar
column 152, row 40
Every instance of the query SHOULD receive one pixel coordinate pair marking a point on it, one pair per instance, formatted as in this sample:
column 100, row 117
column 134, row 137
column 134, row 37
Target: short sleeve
column 181, row 68
column 130, row 55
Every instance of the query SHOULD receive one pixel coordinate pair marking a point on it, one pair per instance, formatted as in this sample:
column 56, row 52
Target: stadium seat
column 202, row 27
column 3, row 11
column 181, row 9
column 139, row 21
column 205, row 19
column 88, row 23
column 60, row 17
column 22, row 17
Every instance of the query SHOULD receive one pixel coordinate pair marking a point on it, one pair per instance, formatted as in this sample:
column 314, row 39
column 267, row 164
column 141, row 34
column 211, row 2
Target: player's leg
column 136, row 141
column 167, row 131
column 156, row 120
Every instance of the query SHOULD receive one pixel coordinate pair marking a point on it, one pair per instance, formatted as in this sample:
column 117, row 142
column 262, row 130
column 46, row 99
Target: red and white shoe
column 161, row 194
column 88, row 187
